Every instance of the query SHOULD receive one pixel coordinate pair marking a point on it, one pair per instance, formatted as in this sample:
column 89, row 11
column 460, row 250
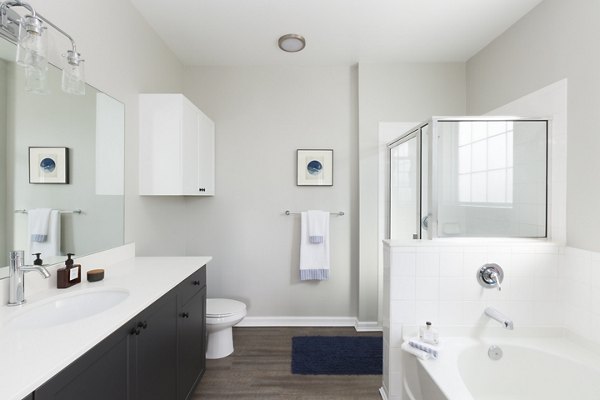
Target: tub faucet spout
column 498, row 316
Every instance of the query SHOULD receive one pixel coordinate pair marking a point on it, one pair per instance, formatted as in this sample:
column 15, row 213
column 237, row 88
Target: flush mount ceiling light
column 29, row 33
column 291, row 43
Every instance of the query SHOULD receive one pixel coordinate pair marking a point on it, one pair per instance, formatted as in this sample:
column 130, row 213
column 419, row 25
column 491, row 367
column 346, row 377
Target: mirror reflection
column 58, row 152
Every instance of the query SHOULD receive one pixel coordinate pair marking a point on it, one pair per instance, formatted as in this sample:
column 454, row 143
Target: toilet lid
column 219, row 308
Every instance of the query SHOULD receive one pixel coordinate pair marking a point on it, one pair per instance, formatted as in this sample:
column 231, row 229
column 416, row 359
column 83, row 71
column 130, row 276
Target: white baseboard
column 296, row 321
column 369, row 326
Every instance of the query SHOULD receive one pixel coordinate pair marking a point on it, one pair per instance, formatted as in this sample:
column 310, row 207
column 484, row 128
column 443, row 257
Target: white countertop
column 29, row 357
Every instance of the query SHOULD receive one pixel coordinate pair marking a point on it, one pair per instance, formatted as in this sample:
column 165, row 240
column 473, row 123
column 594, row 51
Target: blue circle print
column 314, row 167
column 47, row 165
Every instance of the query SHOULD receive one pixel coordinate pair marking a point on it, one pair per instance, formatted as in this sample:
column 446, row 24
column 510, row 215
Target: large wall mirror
column 91, row 127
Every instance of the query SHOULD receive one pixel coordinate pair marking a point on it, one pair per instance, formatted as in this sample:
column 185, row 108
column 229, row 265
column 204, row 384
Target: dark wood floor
column 260, row 368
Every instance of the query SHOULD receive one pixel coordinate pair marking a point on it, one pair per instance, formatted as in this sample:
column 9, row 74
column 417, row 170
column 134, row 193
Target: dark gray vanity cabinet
column 154, row 350
column 102, row 373
column 158, row 355
column 192, row 349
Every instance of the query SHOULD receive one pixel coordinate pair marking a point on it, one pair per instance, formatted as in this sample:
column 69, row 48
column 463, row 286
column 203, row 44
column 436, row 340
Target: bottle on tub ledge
column 429, row 335
column 69, row 275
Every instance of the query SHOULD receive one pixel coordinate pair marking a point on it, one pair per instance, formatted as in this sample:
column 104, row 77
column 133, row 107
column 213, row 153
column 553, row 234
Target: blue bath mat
column 337, row 355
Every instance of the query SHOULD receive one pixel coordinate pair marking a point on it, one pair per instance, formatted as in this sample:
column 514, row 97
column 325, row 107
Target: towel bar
column 77, row 211
column 288, row 212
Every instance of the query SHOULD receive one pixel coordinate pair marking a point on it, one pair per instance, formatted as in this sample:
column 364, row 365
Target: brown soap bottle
column 69, row 275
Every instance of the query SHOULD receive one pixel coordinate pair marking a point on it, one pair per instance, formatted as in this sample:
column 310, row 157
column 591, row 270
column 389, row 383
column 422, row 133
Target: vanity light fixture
column 29, row 33
column 292, row 43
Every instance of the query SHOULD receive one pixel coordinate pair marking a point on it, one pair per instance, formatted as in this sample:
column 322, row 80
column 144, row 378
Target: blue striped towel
column 427, row 348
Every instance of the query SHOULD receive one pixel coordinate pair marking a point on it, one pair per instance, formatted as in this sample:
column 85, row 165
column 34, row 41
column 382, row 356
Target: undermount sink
column 63, row 309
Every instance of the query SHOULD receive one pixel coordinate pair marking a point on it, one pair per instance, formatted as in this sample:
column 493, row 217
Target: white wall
column 557, row 40
column 394, row 93
column 124, row 57
column 262, row 115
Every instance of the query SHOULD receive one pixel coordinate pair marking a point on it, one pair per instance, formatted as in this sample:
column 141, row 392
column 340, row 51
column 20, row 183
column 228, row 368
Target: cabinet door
column 156, row 351
column 192, row 343
column 206, row 154
column 100, row 374
column 190, row 149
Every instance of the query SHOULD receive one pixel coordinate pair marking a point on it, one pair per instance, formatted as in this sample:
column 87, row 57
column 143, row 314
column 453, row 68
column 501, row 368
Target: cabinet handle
column 196, row 283
column 135, row 331
column 142, row 325
column 185, row 315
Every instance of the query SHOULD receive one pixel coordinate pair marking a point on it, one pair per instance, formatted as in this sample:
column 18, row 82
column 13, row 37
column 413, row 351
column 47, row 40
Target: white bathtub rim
column 445, row 372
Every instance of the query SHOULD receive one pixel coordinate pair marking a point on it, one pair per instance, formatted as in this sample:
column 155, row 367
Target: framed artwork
column 314, row 167
column 48, row 165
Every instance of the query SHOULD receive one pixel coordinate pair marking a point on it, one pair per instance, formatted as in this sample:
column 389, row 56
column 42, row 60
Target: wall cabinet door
column 155, row 353
column 192, row 343
column 101, row 374
column 177, row 147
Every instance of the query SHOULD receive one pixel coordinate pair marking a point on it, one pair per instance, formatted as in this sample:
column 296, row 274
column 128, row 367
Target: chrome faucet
column 498, row 316
column 16, row 277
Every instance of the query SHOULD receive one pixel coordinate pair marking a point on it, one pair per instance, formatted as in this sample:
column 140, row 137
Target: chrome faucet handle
column 490, row 276
column 496, row 278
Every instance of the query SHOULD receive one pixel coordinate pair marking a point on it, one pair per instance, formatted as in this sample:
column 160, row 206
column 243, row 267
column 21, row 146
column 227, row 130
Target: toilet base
column 220, row 343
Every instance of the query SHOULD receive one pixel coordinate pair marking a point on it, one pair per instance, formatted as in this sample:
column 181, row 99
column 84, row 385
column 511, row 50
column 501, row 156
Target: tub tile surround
column 436, row 281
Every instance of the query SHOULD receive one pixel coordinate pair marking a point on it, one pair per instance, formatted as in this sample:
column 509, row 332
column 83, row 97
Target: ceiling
column 337, row 32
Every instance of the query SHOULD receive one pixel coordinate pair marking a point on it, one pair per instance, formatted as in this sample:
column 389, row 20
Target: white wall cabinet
column 177, row 147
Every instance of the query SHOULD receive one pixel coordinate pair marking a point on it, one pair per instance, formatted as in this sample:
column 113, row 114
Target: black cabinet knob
column 135, row 331
column 185, row 315
column 196, row 283
column 142, row 325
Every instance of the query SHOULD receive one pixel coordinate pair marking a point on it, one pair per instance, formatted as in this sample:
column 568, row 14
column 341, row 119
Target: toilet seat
column 222, row 308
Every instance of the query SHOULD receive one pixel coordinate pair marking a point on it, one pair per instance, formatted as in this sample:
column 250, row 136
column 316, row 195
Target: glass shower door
column 405, row 188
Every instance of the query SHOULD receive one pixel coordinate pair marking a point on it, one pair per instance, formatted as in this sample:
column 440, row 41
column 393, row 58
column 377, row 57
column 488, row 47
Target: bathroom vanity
column 151, row 345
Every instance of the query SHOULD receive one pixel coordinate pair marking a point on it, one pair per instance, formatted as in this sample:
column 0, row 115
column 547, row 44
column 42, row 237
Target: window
column 485, row 162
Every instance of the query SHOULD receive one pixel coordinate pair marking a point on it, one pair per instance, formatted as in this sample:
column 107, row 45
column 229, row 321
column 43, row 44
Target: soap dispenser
column 69, row 275
column 38, row 260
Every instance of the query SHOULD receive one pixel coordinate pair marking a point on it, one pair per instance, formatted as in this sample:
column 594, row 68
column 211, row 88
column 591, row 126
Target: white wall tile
column 427, row 311
column 428, row 264
column 402, row 288
column 404, row 264
column 452, row 313
column 402, row 312
column 451, row 289
column 451, row 264
column 427, row 289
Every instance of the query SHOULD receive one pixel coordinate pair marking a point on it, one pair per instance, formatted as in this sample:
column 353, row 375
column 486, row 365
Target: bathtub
column 531, row 368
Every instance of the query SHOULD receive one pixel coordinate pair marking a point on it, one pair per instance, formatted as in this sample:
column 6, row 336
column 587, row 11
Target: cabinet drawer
column 191, row 285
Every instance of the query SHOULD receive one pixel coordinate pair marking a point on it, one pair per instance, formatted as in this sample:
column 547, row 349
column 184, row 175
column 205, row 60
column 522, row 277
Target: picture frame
column 314, row 167
column 49, row 165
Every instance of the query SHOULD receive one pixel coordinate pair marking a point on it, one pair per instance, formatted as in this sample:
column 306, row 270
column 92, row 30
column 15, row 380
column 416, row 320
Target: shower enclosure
column 470, row 177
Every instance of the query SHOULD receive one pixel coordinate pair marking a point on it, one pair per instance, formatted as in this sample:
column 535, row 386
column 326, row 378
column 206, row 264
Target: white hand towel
column 51, row 247
column 318, row 225
column 314, row 257
column 38, row 220
column 420, row 354
column 428, row 348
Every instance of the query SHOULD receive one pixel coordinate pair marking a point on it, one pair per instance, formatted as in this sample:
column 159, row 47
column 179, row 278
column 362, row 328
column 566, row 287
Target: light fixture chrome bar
column 11, row 18
column 288, row 212
column 76, row 211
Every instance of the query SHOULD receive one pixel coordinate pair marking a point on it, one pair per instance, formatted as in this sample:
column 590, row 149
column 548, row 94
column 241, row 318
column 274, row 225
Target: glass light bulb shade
column 291, row 43
column 32, row 47
column 73, row 78
column 36, row 80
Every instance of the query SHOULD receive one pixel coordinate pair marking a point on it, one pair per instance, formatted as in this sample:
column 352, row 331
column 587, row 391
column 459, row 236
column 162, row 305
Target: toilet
column 221, row 316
